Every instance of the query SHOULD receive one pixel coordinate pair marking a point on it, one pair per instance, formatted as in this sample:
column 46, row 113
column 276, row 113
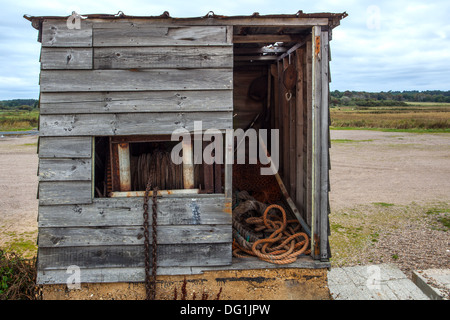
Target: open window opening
column 126, row 164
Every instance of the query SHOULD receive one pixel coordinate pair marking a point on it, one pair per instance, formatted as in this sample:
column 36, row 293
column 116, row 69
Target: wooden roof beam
column 260, row 50
column 265, row 38
column 255, row 58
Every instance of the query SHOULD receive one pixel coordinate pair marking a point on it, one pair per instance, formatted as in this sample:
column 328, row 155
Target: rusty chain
column 150, row 278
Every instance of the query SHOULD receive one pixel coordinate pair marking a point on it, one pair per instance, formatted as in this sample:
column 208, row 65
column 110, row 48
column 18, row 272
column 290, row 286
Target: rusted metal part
column 150, row 279
column 317, row 42
column 124, row 166
column 130, row 194
column 140, row 138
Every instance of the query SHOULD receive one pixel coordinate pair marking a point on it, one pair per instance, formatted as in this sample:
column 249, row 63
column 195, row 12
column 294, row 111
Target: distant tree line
column 390, row 98
column 19, row 104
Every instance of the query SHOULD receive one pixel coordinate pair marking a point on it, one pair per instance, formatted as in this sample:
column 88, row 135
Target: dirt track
column 399, row 168
column 18, row 190
column 367, row 167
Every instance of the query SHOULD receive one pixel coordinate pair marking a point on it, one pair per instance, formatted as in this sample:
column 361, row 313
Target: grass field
column 416, row 117
column 18, row 120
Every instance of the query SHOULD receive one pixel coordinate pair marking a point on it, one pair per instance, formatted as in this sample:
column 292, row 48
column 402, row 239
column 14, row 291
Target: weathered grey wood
column 267, row 21
column 127, row 102
column 65, row 147
column 163, row 57
column 324, row 144
column 137, row 274
column 182, row 255
column 55, row 33
column 181, row 234
column 66, row 192
column 66, row 58
column 135, row 80
column 130, row 123
column 109, row 212
column 153, row 35
column 65, row 169
column 316, row 134
column 107, row 275
column 228, row 179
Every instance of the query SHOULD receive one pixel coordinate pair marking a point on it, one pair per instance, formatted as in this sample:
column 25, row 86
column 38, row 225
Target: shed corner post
column 320, row 145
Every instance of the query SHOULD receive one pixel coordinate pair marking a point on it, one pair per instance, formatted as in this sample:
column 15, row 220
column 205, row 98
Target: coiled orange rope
column 284, row 244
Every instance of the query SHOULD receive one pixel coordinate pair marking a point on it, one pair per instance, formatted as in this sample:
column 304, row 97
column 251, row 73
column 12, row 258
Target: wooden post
column 299, row 108
column 275, row 114
column 123, row 151
column 308, row 135
column 316, row 133
column 188, row 165
column 229, row 152
column 324, row 141
column 285, row 106
column 208, row 174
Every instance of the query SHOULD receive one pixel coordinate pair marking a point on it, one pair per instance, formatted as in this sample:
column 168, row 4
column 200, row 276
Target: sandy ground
column 367, row 167
column 18, row 189
column 399, row 168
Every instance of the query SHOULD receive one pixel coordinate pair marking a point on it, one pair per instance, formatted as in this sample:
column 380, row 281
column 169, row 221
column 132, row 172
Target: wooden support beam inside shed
column 255, row 58
column 188, row 165
column 124, row 166
column 265, row 38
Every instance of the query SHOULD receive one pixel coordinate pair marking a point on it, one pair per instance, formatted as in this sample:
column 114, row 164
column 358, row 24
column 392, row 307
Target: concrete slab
column 435, row 283
column 373, row 282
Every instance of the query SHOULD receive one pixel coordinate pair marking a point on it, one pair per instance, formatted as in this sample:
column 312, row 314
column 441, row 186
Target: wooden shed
column 113, row 89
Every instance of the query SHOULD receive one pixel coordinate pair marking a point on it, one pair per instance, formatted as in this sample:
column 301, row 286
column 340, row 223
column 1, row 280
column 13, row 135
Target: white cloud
column 409, row 50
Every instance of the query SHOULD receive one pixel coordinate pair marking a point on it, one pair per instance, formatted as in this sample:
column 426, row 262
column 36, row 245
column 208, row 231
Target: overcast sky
column 380, row 46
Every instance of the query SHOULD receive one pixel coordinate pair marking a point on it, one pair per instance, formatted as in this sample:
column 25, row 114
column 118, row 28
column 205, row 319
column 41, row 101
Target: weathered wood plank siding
column 135, row 80
column 162, row 57
column 116, row 212
column 133, row 102
column 129, row 123
column 55, row 33
column 65, row 147
column 108, row 79
column 66, row 58
column 65, row 192
column 65, row 170
column 192, row 231
column 129, row 35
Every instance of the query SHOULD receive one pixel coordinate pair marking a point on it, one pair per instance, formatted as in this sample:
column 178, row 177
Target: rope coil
column 270, row 237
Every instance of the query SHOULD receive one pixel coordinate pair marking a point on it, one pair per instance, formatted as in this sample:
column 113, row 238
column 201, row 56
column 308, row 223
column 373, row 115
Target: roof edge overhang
column 299, row 18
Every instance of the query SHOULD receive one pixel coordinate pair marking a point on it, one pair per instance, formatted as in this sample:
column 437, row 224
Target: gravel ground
column 389, row 198
column 388, row 194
